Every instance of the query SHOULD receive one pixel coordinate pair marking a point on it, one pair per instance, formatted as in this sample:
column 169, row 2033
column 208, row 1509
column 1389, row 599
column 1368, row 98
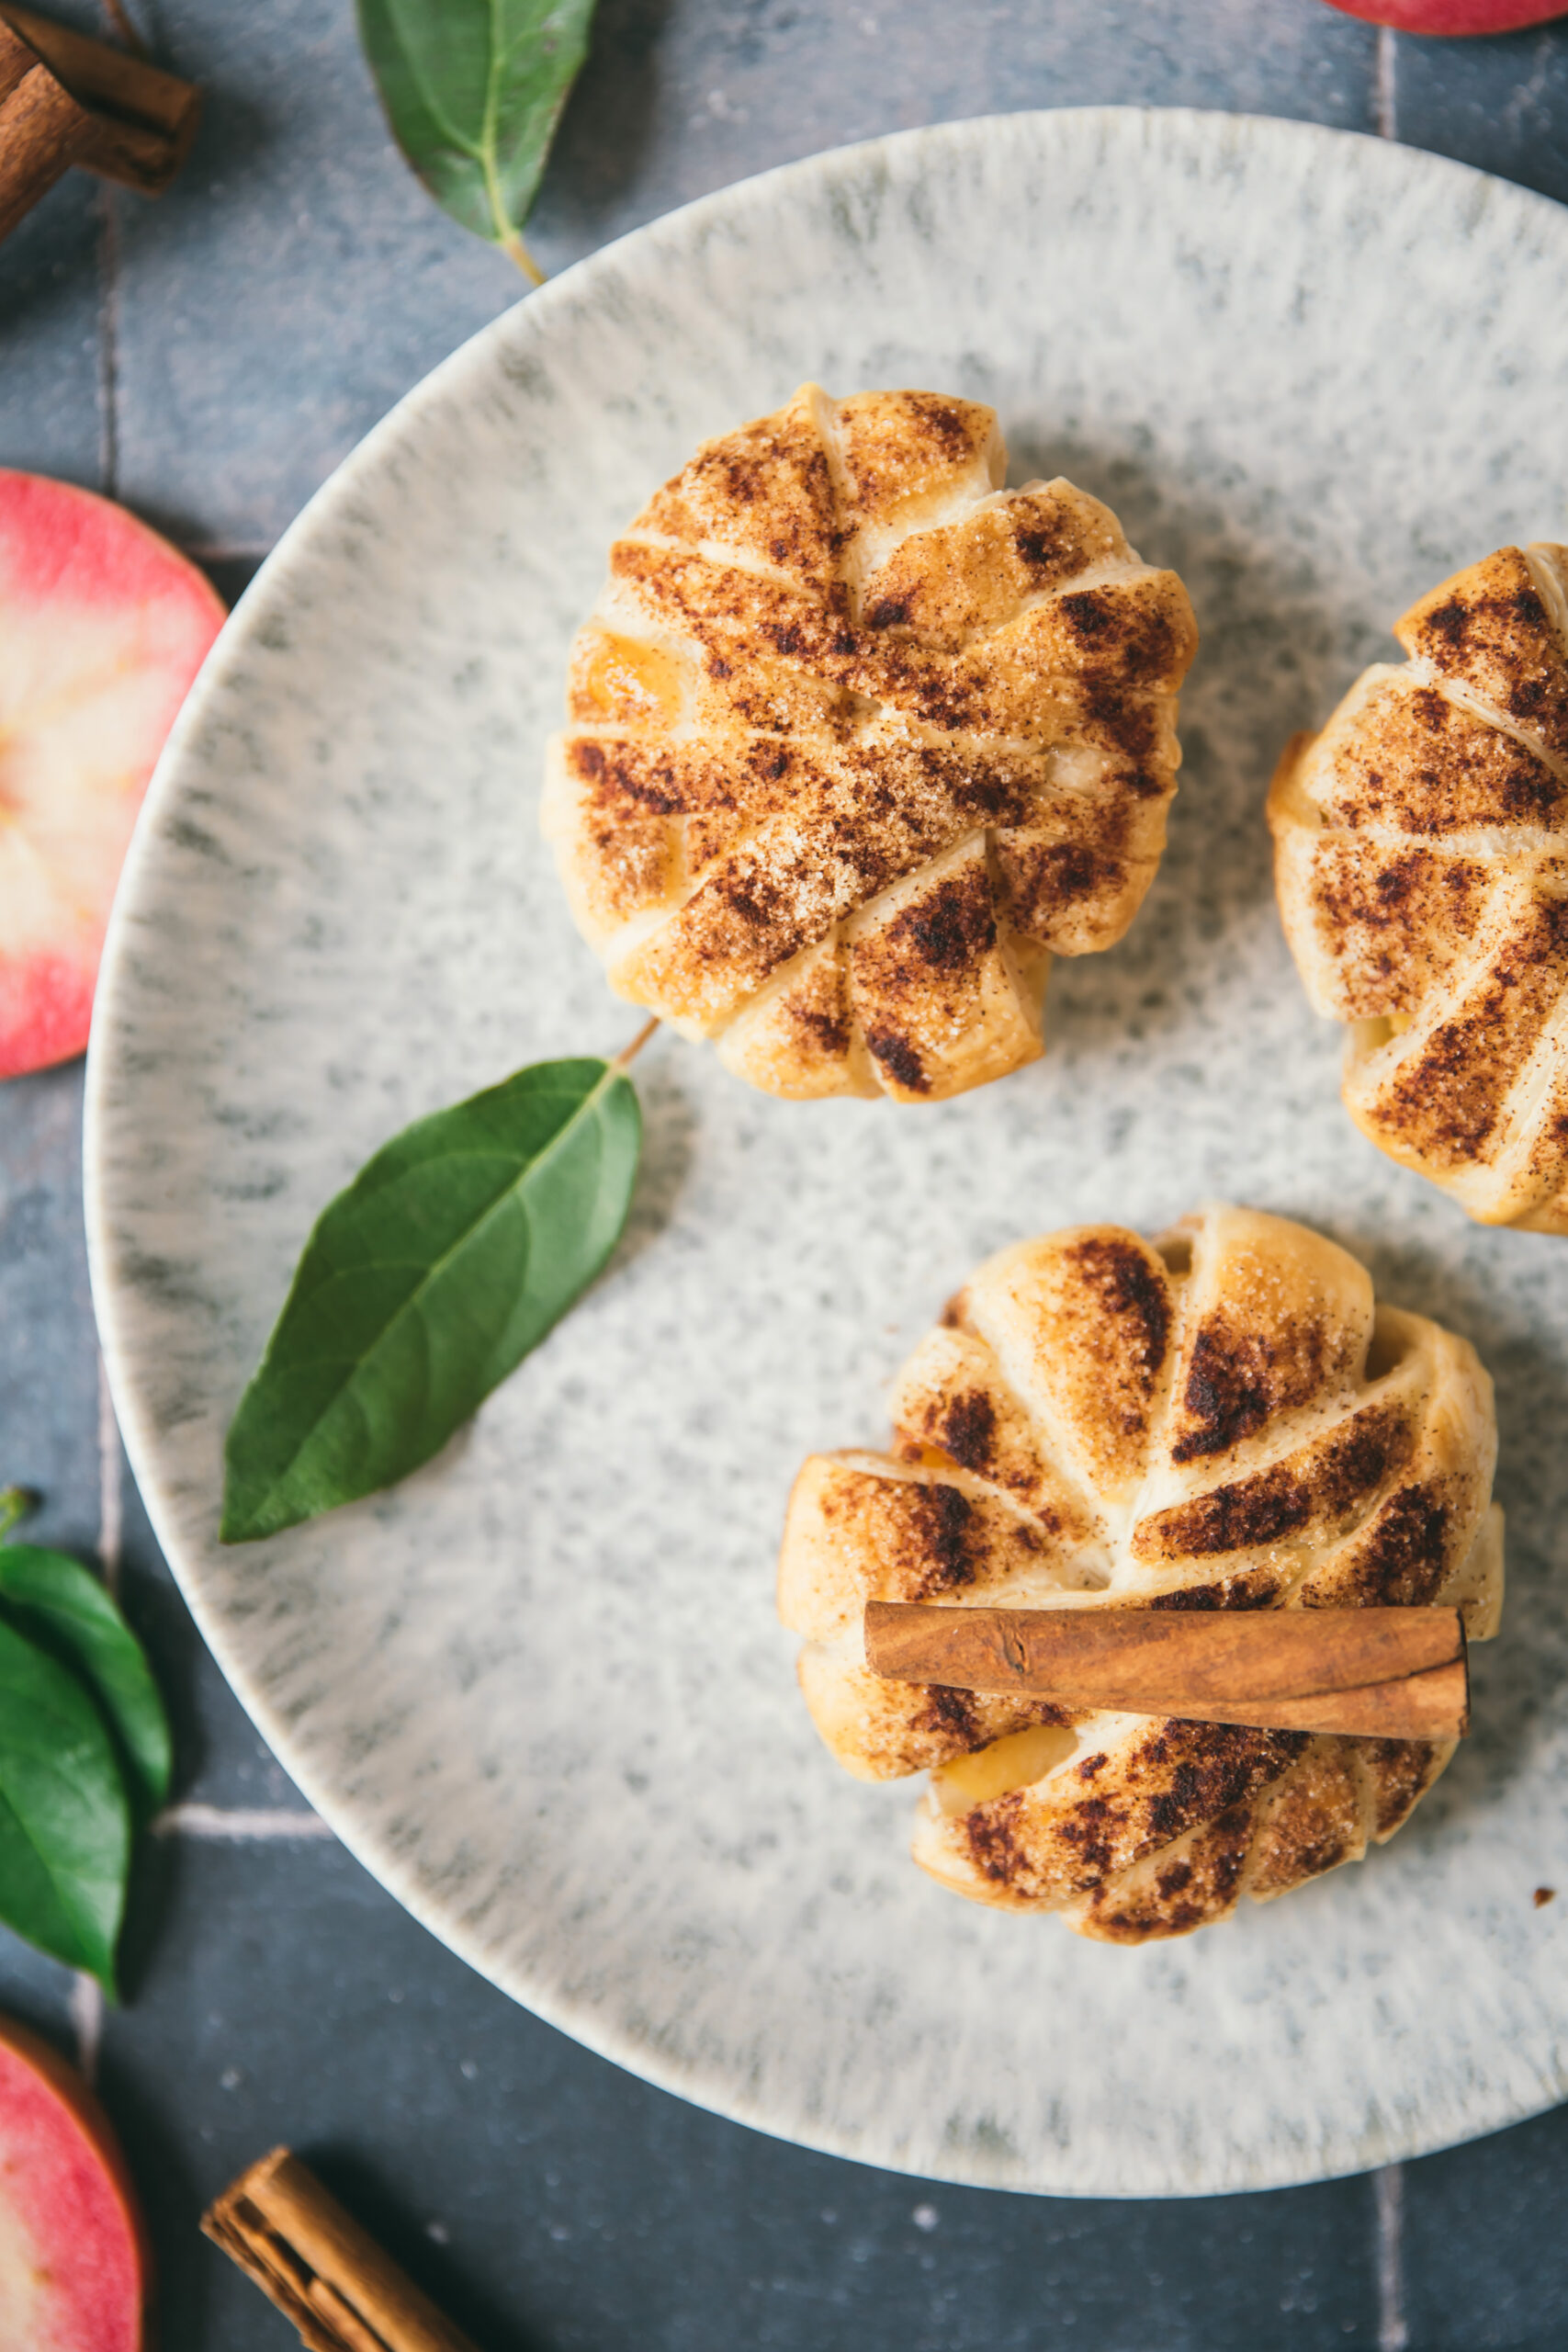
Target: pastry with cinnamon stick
column 1421, row 847
column 859, row 739
column 1224, row 1419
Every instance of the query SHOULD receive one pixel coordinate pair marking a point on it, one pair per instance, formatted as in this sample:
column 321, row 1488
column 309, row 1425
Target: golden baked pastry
column 1224, row 1419
column 1422, row 860
column 858, row 739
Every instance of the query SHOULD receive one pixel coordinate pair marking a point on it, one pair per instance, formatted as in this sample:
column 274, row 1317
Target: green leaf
column 64, row 1823
column 56, row 1599
column 450, row 1255
column 473, row 90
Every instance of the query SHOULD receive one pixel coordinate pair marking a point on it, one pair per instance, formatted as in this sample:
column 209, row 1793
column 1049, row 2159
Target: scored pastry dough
column 1225, row 1420
column 858, row 739
column 1421, row 853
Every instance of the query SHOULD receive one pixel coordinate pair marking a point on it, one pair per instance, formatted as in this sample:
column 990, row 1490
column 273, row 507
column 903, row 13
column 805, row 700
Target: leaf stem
column 512, row 243
column 628, row 1054
column 17, row 1501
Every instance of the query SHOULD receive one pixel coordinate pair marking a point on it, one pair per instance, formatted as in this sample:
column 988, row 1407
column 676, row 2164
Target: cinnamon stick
column 42, row 128
column 343, row 2293
column 65, row 99
column 1367, row 1673
column 140, row 120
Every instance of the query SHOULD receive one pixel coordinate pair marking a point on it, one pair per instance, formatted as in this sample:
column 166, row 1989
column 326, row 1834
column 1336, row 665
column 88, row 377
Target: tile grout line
column 109, row 341
column 125, row 34
column 1387, row 85
column 86, row 1993
column 1388, row 2186
column 238, row 1823
column 110, row 1520
column 87, row 2024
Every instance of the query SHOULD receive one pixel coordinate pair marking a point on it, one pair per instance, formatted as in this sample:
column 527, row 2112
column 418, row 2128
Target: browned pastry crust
column 858, row 739
column 1225, row 1420
column 1422, row 860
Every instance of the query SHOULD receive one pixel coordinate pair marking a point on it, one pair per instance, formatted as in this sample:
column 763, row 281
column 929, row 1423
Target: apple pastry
column 858, row 739
column 1224, row 1419
column 1421, row 847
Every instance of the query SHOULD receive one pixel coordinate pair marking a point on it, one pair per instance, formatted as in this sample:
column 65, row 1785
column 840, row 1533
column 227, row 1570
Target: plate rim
column 1203, row 127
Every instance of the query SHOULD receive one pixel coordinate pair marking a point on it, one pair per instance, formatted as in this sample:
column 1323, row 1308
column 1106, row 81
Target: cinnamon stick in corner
column 65, row 99
column 140, row 120
column 1365, row 1673
column 343, row 2293
column 42, row 128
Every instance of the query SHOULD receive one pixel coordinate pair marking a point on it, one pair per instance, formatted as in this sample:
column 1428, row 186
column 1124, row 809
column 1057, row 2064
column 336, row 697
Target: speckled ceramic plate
column 539, row 1689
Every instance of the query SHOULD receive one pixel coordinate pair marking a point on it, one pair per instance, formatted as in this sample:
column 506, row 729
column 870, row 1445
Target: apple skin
column 75, row 2267
column 102, row 627
column 1451, row 17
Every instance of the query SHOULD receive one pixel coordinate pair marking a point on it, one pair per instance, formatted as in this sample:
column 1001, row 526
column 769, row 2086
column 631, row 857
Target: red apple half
column 1451, row 17
column 103, row 626
column 75, row 2272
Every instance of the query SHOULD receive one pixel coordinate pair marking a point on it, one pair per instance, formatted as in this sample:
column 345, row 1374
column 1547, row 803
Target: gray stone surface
column 1500, row 104
column 1486, row 2244
column 291, row 285
column 52, row 410
column 267, row 374
column 48, row 1357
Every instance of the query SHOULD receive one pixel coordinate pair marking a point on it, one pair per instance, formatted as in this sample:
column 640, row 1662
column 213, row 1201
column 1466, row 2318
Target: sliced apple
column 1451, row 17
column 76, row 2271
column 103, row 626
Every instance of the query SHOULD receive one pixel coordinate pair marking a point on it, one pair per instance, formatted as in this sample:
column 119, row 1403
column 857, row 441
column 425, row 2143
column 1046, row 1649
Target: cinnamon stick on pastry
column 1378, row 1673
column 858, row 741
column 1421, row 854
column 1132, row 1434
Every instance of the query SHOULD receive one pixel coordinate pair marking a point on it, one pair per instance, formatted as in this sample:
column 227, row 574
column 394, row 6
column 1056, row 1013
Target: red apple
column 1449, row 16
column 76, row 2270
column 103, row 626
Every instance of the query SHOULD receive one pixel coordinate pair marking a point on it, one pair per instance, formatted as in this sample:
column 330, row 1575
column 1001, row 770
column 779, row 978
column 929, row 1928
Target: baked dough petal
column 1421, row 859
column 1228, row 1419
column 858, row 739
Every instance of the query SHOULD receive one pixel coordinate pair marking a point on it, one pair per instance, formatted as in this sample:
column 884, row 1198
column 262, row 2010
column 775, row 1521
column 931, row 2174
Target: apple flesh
column 75, row 2273
column 1453, row 16
column 103, row 626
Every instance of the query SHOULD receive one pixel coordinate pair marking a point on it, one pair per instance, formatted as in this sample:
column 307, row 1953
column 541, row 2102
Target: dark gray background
column 210, row 359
